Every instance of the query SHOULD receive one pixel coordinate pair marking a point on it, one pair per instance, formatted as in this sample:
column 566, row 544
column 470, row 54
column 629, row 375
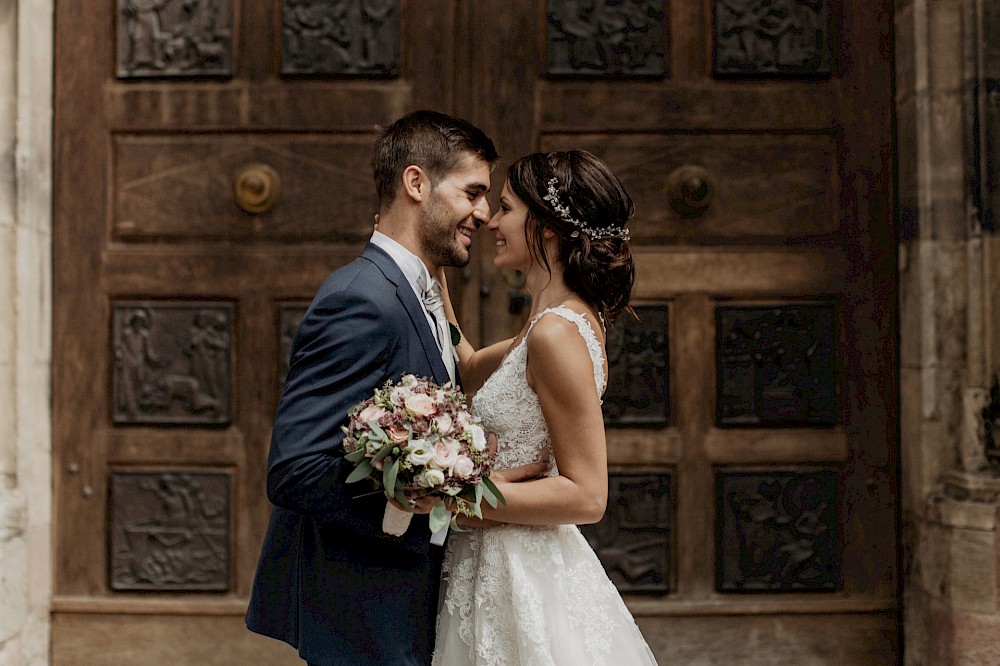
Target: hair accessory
column 592, row 232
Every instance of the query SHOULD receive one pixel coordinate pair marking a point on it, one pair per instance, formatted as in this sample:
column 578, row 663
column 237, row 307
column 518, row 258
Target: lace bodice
column 511, row 409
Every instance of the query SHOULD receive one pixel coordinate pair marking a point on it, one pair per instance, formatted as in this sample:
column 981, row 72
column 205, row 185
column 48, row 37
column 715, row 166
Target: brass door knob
column 690, row 190
column 257, row 188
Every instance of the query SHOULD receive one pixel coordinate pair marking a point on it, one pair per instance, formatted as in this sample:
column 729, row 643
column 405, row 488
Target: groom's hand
column 421, row 505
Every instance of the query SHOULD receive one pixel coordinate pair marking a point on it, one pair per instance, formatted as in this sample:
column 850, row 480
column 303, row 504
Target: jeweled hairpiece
column 592, row 232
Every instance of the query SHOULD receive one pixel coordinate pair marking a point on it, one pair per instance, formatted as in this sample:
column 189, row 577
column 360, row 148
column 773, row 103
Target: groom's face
column 455, row 209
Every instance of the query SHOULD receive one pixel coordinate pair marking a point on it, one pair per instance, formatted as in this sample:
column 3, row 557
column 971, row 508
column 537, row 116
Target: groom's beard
column 439, row 237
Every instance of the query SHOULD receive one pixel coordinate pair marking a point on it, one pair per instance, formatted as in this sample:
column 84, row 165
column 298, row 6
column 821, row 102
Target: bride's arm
column 562, row 375
column 475, row 365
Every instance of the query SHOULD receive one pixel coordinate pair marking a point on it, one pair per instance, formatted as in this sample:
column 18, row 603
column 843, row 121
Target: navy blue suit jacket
column 329, row 581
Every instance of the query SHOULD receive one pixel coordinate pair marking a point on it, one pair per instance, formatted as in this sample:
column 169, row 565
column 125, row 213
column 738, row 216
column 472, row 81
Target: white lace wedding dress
column 519, row 595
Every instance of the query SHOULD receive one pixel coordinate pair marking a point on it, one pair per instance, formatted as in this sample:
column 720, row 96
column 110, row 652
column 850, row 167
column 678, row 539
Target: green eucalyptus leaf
column 389, row 473
column 362, row 471
column 382, row 453
column 438, row 517
column 377, row 431
column 355, row 456
column 494, row 490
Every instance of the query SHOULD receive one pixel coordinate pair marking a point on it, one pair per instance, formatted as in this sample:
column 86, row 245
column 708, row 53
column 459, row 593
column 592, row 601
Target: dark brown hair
column 435, row 142
column 599, row 270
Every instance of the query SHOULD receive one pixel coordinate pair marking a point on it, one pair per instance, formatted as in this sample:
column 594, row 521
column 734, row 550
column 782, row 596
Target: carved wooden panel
column 607, row 37
column 172, row 362
column 762, row 186
column 289, row 318
column 783, row 37
column 340, row 37
column 777, row 531
column 170, row 530
column 174, row 38
column 183, row 188
column 638, row 369
column 633, row 540
column 776, row 365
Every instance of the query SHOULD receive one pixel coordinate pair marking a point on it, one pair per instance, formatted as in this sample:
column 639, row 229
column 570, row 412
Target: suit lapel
column 404, row 292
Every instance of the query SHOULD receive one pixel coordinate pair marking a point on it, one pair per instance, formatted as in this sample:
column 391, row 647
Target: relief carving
column 606, row 37
column 174, row 38
column 777, row 532
column 169, row 531
column 172, row 364
column 776, row 366
column 341, row 37
column 789, row 37
column 638, row 373
column 633, row 540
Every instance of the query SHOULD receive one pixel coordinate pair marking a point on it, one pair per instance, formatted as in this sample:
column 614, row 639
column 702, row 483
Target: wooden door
column 212, row 167
column 752, row 408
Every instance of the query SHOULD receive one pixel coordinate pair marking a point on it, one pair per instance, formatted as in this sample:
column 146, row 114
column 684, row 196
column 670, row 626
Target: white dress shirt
column 414, row 270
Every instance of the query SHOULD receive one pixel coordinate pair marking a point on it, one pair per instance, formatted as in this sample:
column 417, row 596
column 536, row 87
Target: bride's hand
column 513, row 474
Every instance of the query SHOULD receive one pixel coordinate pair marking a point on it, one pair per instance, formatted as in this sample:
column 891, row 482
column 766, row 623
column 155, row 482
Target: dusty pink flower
column 464, row 467
column 420, row 404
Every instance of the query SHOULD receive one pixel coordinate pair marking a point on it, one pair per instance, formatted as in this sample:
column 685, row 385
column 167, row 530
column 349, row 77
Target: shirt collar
column 413, row 268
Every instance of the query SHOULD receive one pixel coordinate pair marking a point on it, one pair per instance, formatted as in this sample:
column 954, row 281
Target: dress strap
column 588, row 335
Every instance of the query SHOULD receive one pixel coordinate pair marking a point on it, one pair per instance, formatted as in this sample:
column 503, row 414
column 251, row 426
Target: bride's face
column 508, row 226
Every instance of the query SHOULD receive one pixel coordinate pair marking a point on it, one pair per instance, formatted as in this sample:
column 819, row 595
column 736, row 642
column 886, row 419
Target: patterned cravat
column 435, row 307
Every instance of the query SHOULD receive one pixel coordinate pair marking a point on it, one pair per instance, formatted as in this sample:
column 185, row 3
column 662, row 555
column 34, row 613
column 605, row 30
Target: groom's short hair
column 433, row 141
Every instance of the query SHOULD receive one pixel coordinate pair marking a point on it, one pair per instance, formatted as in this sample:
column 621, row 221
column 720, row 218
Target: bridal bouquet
column 415, row 439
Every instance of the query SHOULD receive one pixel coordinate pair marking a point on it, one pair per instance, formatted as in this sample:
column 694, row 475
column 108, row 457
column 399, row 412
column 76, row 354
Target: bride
column 523, row 586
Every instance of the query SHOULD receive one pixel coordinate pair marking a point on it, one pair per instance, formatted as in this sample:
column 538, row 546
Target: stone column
column 25, row 307
column 948, row 258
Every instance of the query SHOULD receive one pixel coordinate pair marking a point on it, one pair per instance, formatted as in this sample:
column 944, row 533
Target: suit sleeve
column 345, row 347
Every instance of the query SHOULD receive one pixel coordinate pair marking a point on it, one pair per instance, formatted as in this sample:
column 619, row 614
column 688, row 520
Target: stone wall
column 25, row 306
column 949, row 494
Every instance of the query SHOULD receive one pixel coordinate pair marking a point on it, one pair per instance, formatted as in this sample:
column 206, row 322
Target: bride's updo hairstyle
column 576, row 196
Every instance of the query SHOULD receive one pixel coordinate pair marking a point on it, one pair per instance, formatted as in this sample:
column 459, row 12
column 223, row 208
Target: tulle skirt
column 526, row 596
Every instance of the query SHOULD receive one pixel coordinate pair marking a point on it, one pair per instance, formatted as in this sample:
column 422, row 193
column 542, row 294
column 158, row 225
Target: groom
column 329, row 581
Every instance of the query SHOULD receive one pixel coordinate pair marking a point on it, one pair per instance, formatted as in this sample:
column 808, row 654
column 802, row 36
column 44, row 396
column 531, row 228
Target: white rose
column 420, row 404
column 444, row 424
column 445, row 454
column 430, row 478
column 409, row 380
column 478, row 437
column 418, row 453
column 371, row 413
column 464, row 467
column 399, row 395
column 464, row 419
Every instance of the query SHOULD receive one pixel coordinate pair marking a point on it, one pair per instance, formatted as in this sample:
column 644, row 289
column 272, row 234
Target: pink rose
column 371, row 413
column 420, row 404
column 445, row 454
column 397, row 434
column 464, row 467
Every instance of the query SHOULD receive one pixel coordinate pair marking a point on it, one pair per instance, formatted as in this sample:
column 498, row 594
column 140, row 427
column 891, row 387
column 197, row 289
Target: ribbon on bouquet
column 395, row 522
